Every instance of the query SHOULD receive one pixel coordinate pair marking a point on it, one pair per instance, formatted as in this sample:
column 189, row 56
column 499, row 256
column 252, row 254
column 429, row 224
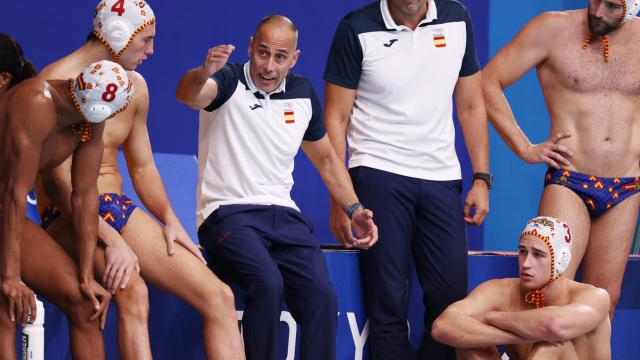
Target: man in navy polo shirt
column 255, row 117
column 392, row 70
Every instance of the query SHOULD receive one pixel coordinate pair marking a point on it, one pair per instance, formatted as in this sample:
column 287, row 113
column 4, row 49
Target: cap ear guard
column 118, row 31
column 563, row 259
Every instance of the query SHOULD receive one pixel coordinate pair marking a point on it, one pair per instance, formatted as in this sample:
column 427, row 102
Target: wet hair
column 92, row 37
column 12, row 60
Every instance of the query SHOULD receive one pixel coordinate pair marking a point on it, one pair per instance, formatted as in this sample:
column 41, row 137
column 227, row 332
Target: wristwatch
column 486, row 177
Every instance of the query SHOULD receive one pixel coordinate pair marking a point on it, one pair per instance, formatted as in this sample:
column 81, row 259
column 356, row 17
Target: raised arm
column 556, row 323
column 30, row 119
column 458, row 326
column 473, row 121
column 336, row 178
column 527, row 50
column 196, row 89
column 146, row 178
column 338, row 102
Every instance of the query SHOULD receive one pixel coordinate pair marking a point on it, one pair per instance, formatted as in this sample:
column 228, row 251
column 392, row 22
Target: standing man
column 542, row 315
column 593, row 152
column 124, row 30
column 255, row 117
column 41, row 124
column 392, row 70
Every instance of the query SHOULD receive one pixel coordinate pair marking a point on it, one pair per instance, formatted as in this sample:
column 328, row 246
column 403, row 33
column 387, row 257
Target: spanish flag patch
column 439, row 40
column 289, row 117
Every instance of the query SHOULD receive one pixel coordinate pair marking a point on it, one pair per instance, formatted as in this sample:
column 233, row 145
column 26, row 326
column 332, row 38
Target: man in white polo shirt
column 392, row 70
column 255, row 117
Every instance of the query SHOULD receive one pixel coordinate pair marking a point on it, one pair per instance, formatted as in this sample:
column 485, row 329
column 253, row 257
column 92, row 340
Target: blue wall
column 185, row 30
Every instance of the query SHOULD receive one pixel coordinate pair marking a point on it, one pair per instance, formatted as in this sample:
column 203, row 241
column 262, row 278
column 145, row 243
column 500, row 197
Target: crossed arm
column 479, row 321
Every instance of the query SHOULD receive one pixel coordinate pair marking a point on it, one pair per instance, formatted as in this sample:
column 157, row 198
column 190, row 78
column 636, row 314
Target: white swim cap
column 116, row 22
column 556, row 234
column 631, row 8
column 102, row 90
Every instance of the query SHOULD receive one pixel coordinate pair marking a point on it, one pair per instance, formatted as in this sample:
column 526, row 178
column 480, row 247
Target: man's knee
column 268, row 288
column 133, row 302
column 78, row 308
column 322, row 296
column 488, row 353
column 546, row 351
column 219, row 303
column 5, row 323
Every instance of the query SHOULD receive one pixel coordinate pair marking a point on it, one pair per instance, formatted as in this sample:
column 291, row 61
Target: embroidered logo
column 256, row 106
column 289, row 117
column 391, row 42
column 439, row 40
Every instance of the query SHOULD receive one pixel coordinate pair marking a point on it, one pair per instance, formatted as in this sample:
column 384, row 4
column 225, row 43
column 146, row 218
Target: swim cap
column 631, row 8
column 116, row 22
column 102, row 90
column 557, row 236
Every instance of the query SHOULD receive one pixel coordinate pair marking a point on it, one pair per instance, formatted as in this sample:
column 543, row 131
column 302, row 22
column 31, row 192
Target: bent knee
column 550, row 351
column 323, row 295
column 133, row 302
column 219, row 304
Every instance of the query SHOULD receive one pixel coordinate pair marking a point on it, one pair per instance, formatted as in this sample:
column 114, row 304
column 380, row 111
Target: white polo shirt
column 248, row 139
column 402, row 119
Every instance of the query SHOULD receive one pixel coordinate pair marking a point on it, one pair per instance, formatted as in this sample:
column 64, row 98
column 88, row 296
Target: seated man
column 41, row 124
column 541, row 315
column 255, row 118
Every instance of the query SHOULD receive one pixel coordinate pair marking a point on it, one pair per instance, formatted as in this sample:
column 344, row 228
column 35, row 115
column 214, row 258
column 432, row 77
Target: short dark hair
column 92, row 37
column 13, row 62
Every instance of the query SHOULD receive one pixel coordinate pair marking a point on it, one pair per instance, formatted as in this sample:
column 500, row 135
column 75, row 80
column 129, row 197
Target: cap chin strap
column 536, row 297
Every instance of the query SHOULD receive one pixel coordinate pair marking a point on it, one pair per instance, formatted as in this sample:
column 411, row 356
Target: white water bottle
column 33, row 336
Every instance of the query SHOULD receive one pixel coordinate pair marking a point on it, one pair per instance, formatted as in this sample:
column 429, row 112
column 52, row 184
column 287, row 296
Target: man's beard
column 602, row 30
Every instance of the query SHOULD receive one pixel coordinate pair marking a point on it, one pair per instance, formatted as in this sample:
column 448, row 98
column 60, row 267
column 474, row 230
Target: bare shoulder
column 31, row 93
column 549, row 22
column 581, row 292
column 66, row 68
column 497, row 291
column 141, row 92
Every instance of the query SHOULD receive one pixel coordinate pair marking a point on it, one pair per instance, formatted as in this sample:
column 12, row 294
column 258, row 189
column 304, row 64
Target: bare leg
column 546, row 351
column 186, row 277
column 47, row 269
column 132, row 303
column 608, row 251
column 562, row 203
column 7, row 333
column 488, row 353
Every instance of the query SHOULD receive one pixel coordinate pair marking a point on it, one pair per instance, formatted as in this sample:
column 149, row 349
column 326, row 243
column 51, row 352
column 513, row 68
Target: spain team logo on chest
column 289, row 116
column 439, row 40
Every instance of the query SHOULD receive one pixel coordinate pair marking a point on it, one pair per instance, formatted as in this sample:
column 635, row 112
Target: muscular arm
column 196, row 88
column 84, row 198
column 473, row 121
column 338, row 103
column 556, row 323
column 458, row 326
column 23, row 141
column 142, row 168
column 336, row 178
column 529, row 48
column 332, row 170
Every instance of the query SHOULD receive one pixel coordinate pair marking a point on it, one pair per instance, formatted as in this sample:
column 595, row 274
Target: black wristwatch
column 488, row 178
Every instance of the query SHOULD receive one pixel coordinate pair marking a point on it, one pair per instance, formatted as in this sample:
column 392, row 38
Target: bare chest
column 58, row 147
column 585, row 71
column 117, row 130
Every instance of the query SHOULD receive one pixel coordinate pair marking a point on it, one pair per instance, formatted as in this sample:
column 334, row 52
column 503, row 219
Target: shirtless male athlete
column 41, row 124
column 124, row 31
column 587, row 68
column 541, row 315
